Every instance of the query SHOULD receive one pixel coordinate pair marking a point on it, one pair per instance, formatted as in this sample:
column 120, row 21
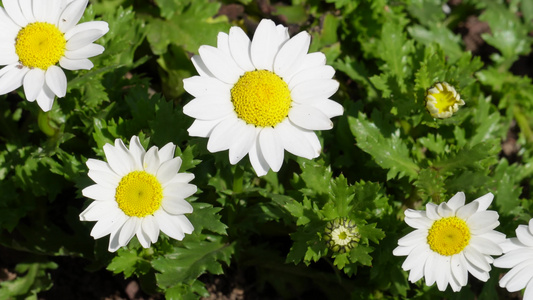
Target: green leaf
column 508, row 34
column 192, row 260
column 389, row 152
column 125, row 262
column 190, row 28
column 395, row 49
column 205, row 216
column 32, row 278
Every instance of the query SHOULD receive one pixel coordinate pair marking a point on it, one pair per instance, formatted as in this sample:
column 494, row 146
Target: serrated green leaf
column 125, row 262
column 205, row 216
column 190, row 28
column 193, row 259
column 389, row 152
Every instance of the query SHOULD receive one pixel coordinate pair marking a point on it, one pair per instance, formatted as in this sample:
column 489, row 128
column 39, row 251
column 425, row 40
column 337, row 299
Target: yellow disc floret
column 261, row 98
column 40, row 45
column 442, row 100
column 448, row 236
column 139, row 194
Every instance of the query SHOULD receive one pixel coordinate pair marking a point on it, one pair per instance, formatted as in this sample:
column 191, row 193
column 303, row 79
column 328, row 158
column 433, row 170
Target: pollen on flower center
column 139, row 194
column 261, row 98
column 40, row 45
column 448, row 236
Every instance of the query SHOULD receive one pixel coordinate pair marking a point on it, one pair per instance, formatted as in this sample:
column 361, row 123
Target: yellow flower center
column 139, row 194
column 448, row 236
column 40, row 45
column 261, row 98
column 343, row 235
column 442, row 100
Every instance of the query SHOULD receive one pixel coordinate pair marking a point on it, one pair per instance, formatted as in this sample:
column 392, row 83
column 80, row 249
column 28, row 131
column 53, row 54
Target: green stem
column 523, row 123
column 238, row 179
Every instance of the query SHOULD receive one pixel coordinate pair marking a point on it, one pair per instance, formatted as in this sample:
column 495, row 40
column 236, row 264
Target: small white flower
column 442, row 100
column 450, row 241
column 261, row 97
column 519, row 258
column 138, row 193
column 37, row 35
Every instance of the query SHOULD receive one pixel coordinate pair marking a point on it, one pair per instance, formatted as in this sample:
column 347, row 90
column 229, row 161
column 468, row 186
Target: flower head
column 442, row 100
column 450, row 241
column 519, row 258
column 138, row 192
column 261, row 97
column 342, row 235
column 36, row 36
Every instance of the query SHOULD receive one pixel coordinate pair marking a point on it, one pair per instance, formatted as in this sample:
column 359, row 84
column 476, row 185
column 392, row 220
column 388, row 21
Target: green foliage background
column 385, row 154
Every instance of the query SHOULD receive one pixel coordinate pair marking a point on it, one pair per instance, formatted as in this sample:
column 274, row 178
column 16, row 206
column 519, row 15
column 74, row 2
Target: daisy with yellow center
column 450, row 241
column 37, row 35
column 442, row 100
column 138, row 192
column 261, row 97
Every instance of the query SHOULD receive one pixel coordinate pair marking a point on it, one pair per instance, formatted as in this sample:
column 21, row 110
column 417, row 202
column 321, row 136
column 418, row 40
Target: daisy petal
column 239, row 45
column 27, row 10
column 222, row 135
column 208, row 108
column 98, row 192
column 97, row 209
column 244, row 138
column 176, row 206
column 75, row 64
column 13, row 10
column 72, row 14
column 84, row 32
column 12, row 79
column 456, row 201
column 137, row 152
column 168, row 170
column 168, row 226
column 56, row 80
column 485, row 201
column 271, row 148
column 33, row 83
column 167, row 152
column 119, row 158
column 199, row 86
column 85, row 52
column 179, row 190
column 294, row 141
column 264, row 45
column 220, row 64
column 258, row 162
column 309, row 118
column 291, row 53
column 314, row 89
column 202, row 128
column 150, row 227
column 45, row 99
column 128, row 230
column 151, row 161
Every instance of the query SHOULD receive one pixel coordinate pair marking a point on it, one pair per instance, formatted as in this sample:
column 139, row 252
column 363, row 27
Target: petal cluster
column 475, row 258
column 44, row 85
column 307, row 76
column 519, row 258
column 121, row 161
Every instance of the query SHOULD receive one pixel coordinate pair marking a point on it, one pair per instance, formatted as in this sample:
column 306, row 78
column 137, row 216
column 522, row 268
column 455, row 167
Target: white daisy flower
column 261, row 97
column 519, row 258
column 450, row 241
column 138, row 193
column 37, row 35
